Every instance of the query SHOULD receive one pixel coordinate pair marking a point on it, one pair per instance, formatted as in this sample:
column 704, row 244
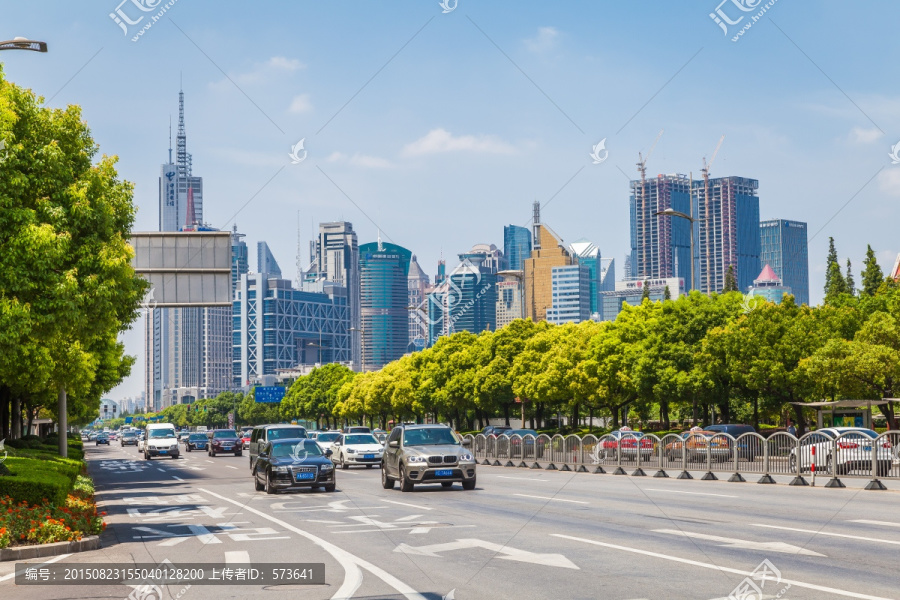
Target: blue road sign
column 128, row 420
column 270, row 394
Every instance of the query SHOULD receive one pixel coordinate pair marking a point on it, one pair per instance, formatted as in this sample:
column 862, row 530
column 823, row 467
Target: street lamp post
column 670, row 212
column 20, row 43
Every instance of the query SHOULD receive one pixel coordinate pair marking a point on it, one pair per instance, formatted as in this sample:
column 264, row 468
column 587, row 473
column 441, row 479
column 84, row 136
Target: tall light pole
column 20, row 43
column 670, row 212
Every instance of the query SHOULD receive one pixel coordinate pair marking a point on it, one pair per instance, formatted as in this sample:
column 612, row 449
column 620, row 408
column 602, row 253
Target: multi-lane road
column 521, row 534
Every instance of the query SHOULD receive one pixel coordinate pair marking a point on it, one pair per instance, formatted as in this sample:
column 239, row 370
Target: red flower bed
column 24, row 524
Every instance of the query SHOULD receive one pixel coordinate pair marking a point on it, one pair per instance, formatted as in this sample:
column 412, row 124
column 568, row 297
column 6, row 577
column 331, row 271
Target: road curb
column 91, row 542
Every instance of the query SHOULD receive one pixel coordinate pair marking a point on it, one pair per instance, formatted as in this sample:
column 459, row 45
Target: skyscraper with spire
column 187, row 350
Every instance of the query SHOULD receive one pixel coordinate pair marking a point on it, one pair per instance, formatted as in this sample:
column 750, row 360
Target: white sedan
column 326, row 438
column 357, row 449
column 853, row 451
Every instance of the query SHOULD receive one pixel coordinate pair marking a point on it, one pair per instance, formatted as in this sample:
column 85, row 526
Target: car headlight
column 280, row 469
column 466, row 458
column 327, row 467
column 416, row 459
column 350, row 451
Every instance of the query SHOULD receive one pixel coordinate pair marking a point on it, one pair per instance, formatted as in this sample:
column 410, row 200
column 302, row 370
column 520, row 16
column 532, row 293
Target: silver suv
column 426, row 454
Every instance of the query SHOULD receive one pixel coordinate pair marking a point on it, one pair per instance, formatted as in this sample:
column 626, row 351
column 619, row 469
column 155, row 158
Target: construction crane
column 707, row 224
column 642, row 169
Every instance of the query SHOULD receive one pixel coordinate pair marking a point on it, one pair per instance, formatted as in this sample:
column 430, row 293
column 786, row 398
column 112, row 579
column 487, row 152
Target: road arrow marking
column 743, row 544
column 549, row 498
column 840, row 535
column 434, row 550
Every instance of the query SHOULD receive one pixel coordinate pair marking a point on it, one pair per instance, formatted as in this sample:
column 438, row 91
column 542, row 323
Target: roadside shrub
column 83, row 488
column 46, row 522
column 35, row 481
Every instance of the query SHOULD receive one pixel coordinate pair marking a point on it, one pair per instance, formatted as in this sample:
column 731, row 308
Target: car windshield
column 162, row 433
column 432, row 436
column 225, row 433
column 327, row 437
column 283, row 433
column 359, row 438
column 298, row 449
column 130, row 434
column 197, row 437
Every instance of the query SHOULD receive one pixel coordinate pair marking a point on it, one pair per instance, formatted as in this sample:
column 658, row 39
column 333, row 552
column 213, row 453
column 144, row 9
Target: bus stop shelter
column 845, row 413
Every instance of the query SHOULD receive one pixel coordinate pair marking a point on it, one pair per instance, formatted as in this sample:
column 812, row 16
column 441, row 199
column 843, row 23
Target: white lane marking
column 868, row 522
column 550, row 498
column 210, row 462
column 434, row 550
column 743, row 544
column 691, row 493
column 231, row 467
column 407, row 504
column 811, row 586
column 177, row 478
column 161, row 470
column 840, row 535
column 351, row 563
column 237, row 557
column 524, row 478
column 46, row 562
column 418, row 529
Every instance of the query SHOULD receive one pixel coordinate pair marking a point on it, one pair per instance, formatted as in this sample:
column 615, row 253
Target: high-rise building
column 783, row 246
column 769, row 286
column 418, row 284
column 185, row 348
column 547, row 252
column 516, row 246
column 336, row 260
column 729, row 232
column 588, row 254
column 572, row 293
column 660, row 245
column 509, row 301
column 240, row 261
column 488, row 257
column 465, row 301
column 265, row 261
column 383, row 292
column 632, row 293
column 607, row 275
column 277, row 327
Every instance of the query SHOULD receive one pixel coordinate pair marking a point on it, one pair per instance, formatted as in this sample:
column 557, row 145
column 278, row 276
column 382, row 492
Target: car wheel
column 238, row 453
column 259, row 487
column 386, row 482
column 469, row 484
column 405, row 484
column 146, row 455
column 330, row 487
column 344, row 465
column 270, row 489
column 446, row 484
column 188, row 448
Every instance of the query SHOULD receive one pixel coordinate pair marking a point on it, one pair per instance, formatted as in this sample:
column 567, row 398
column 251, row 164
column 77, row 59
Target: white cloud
column 440, row 140
column 544, row 41
column 889, row 182
column 862, row 135
column 261, row 71
column 282, row 63
column 336, row 157
column 300, row 104
column 360, row 160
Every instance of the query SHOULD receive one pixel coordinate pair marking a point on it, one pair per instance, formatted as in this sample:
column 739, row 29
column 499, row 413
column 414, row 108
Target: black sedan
column 102, row 438
column 224, row 440
column 195, row 441
column 291, row 464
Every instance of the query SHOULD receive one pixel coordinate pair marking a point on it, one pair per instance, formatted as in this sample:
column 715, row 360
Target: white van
column 160, row 440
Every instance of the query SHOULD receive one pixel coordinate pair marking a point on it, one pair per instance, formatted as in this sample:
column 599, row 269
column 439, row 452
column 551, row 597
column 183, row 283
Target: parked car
column 496, row 430
column 853, row 451
column 695, row 444
column 749, row 447
column 629, row 442
column 101, row 439
column 160, row 441
column 325, row 438
column 311, row 434
column 286, row 463
column 223, row 441
column 426, row 454
column 356, row 429
column 195, row 441
column 245, row 440
column 129, row 438
column 262, row 434
column 357, row 449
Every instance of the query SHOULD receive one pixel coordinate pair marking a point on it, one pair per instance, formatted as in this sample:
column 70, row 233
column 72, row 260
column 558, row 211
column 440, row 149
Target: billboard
column 271, row 394
column 184, row 268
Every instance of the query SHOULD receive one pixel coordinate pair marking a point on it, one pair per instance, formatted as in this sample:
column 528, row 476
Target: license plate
column 867, row 449
column 443, row 473
column 368, row 456
column 226, row 447
column 163, row 451
column 301, row 476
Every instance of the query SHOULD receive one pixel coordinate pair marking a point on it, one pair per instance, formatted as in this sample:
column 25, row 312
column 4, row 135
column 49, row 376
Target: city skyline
column 410, row 136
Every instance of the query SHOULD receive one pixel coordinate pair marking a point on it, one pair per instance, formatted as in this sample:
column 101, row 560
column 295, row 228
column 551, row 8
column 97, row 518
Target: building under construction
column 660, row 244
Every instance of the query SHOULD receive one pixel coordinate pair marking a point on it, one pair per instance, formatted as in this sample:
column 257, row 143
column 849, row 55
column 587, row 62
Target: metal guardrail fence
column 852, row 454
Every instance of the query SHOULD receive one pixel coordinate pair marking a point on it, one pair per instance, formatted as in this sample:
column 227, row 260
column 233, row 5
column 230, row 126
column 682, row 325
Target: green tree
column 67, row 287
column 851, row 284
column 835, row 283
column 872, row 275
column 731, row 284
column 645, row 293
column 667, row 294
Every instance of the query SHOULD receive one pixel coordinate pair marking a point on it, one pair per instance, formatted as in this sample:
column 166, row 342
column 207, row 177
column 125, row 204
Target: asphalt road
column 521, row 534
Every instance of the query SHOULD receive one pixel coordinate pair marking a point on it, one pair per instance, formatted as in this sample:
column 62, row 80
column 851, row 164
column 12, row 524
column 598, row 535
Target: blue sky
column 441, row 128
